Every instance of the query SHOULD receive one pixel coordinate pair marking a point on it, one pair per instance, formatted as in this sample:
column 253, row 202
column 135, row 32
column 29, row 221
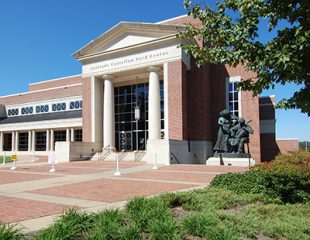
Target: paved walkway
column 32, row 198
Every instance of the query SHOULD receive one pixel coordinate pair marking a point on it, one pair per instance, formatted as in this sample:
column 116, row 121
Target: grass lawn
column 210, row 213
column 7, row 159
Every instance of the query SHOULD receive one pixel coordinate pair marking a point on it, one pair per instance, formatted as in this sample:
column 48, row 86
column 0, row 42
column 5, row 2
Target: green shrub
column 220, row 232
column 10, row 232
column 249, row 182
column 143, row 210
column 196, row 224
column 107, row 225
column 287, row 187
column 130, row 232
column 72, row 225
column 293, row 163
column 164, row 229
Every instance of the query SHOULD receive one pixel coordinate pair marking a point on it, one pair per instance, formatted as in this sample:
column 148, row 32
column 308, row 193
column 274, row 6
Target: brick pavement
column 16, row 209
column 14, row 177
column 116, row 190
column 197, row 177
column 31, row 196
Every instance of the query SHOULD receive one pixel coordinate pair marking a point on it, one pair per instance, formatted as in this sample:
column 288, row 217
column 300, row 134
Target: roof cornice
column 123, row 26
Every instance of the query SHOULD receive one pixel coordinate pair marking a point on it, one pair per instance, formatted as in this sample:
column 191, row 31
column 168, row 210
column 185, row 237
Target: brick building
column 135, row 69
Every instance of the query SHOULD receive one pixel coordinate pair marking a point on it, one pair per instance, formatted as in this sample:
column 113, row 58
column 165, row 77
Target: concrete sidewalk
column 32, row 198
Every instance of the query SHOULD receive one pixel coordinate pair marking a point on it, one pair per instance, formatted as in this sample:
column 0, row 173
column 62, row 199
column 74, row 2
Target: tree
column 230, row 36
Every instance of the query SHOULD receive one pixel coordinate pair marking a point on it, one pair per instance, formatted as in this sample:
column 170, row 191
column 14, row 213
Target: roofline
column 270, row 96
column 283, row 139
column 54, row 79
column 41, row 90
column 115, row 28
column 170, row 19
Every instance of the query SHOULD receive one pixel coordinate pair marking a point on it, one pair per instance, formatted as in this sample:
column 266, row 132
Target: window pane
column 23, row 141
column 40, row 141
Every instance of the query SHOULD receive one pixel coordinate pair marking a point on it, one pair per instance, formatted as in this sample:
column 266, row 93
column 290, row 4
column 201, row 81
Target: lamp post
column 137, row 118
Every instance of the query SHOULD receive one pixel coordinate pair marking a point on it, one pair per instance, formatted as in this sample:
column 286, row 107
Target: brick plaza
column 32, row 197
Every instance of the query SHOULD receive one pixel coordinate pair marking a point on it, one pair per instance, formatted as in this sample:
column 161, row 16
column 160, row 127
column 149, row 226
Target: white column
column 13, row 142
column 29, row 141
column 33, row 142
column 108, row 113
column 72, row 135
column 47, row 140
column 154, row 103
column 68, row 135
column 52, row 140
column 1, row 141
column 16, row 141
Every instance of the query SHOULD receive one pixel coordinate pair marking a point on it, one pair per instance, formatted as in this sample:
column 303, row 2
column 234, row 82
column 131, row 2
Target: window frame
column 234, row 79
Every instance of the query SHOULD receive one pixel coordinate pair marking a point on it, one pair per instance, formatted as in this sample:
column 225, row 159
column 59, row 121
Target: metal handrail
column 121, row 155
column 175, row 158
column 139, row 155
column 106, row 151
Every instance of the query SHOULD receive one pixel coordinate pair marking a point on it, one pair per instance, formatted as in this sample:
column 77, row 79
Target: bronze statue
column 223, row 133
column 233, row 134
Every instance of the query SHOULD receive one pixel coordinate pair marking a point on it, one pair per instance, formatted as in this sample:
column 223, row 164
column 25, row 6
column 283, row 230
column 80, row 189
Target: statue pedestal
column 228, row 161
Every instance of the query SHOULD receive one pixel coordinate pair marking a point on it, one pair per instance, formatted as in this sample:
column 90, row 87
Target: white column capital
column 108, row 77
column 154, row 69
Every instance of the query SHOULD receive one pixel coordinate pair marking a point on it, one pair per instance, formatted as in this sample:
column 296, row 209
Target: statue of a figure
column 239, row 135
column 223, row 134
column 233, row 134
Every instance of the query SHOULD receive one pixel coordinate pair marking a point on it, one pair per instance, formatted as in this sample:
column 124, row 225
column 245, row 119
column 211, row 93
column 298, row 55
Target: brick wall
column 269, row 147
column 266, row 108
column 86, row 93
column 56, row 83
column 199, row 103
column 249, row 103
column 177, row 100
column 287, row 145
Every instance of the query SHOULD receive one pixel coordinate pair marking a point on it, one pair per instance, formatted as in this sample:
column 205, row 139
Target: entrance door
column 125, row 141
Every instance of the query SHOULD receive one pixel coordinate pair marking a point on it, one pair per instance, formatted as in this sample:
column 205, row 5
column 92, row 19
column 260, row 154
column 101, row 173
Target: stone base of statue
column 231, row 159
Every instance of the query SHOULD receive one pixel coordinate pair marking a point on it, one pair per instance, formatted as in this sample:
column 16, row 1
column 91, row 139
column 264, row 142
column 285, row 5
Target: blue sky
column 38, row 37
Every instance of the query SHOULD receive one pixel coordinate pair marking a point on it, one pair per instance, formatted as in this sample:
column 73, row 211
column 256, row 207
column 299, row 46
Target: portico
column 128, row 68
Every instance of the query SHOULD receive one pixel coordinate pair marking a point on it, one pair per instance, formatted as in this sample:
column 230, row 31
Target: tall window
column 23, row 141
column 60, row 136
column 78, row 135
column 132, row 135
column 233, row 96
column 40, row 141
column 7, row 142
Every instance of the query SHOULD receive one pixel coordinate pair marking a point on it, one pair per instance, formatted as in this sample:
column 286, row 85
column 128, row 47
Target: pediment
column 125, row 35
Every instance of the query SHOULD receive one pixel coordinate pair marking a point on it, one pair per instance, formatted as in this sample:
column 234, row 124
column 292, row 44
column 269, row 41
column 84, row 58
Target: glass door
column 125, row 141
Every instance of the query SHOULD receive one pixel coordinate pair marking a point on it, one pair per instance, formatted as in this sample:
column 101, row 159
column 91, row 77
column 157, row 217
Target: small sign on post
column 52, row 160
column 14, row 159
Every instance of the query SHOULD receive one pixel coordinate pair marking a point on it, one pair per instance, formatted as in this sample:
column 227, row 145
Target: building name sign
column 133, row 60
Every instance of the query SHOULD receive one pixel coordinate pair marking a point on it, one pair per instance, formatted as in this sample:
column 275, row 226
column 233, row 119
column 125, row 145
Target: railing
column 121, row 155
column 196, row 159
column 106, row 151
column 139, row 154
column 173, row 157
